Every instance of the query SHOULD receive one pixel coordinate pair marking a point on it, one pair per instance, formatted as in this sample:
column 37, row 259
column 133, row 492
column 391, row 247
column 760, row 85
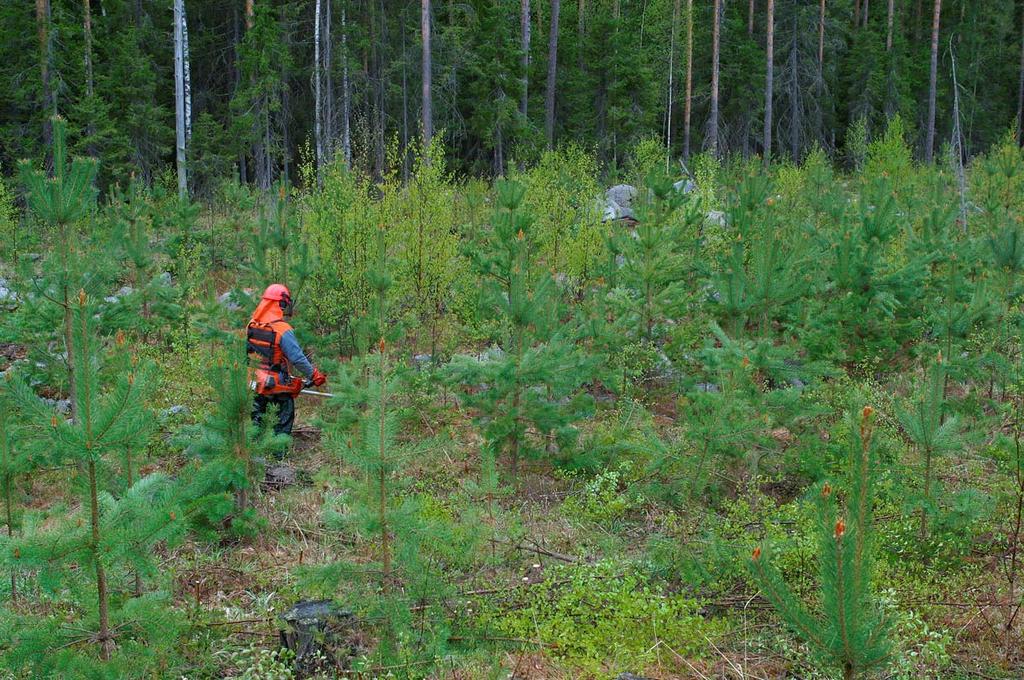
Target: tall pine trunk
column 1020, row 88
column 929, row 146
column 328, row 86
column 888, row 24
column 769, row 81
column 688, row 99
column 918, row 18
column 405, row 103
column 549, row 95
column 377, row 45
column 795, row 108
column 236, row 43
column 671, row 81
column 581, row 31
column 750, row 19
column 43, row 36
column 524, row 59
column 716, row 25
column 102, row 597
column 428, row 119
column 89, row 85
column 821, row 43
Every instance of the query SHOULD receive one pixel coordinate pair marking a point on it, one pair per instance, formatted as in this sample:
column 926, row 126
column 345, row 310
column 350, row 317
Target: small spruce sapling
column 731, row 413
column 871, row 300
column 850, row 633
column 531, row 383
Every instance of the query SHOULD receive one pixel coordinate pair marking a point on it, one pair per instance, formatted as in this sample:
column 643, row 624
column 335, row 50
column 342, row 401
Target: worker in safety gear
column 271, row 340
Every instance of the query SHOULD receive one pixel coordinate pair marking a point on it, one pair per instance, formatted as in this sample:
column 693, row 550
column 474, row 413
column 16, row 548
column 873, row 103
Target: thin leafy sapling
column 17, row 459
column 765, row 269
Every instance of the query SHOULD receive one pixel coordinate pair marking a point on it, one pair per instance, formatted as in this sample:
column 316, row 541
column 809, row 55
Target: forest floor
column 956, row 628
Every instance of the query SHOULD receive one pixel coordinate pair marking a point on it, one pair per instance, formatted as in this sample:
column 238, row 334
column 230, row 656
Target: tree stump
column 320, row 634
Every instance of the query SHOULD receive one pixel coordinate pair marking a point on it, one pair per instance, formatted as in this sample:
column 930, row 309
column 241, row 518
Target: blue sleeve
column 296, row 357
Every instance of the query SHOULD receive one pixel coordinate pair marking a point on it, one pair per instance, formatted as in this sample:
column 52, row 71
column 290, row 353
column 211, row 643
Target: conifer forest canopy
column 517, row 339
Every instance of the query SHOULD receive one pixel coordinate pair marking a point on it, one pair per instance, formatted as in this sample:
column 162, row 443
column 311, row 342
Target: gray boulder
column 715, row 218
column 61, row 406
column 228, row 301
column 123, row 291
column 7, row 296
column 618, row 203
column 492, row 353
column 176, row 410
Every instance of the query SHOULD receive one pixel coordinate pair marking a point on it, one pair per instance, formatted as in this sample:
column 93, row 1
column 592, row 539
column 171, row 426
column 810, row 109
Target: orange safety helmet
column 277, row 291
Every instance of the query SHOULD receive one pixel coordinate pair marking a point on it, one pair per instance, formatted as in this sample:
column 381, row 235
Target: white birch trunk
column 346, row 94
column 179, row 96
column 186, row 74
column 318, row 139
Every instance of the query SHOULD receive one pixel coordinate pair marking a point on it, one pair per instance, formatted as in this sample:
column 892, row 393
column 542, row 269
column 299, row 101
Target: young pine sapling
column 111, row 387
column 850, row 634
column 60, row 202
column 530, row 382
column 932, row 431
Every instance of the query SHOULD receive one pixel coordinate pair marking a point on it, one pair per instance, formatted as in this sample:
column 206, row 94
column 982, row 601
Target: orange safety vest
column 263, row 343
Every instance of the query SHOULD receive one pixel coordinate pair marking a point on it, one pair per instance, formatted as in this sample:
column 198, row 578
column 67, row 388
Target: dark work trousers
column 285, row 404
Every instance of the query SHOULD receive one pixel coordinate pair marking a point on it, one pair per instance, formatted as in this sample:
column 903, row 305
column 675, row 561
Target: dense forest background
column 269, row 85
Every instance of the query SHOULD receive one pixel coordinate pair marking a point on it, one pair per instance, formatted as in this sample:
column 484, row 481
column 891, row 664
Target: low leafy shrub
column 595, row 617
column 606, row 497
